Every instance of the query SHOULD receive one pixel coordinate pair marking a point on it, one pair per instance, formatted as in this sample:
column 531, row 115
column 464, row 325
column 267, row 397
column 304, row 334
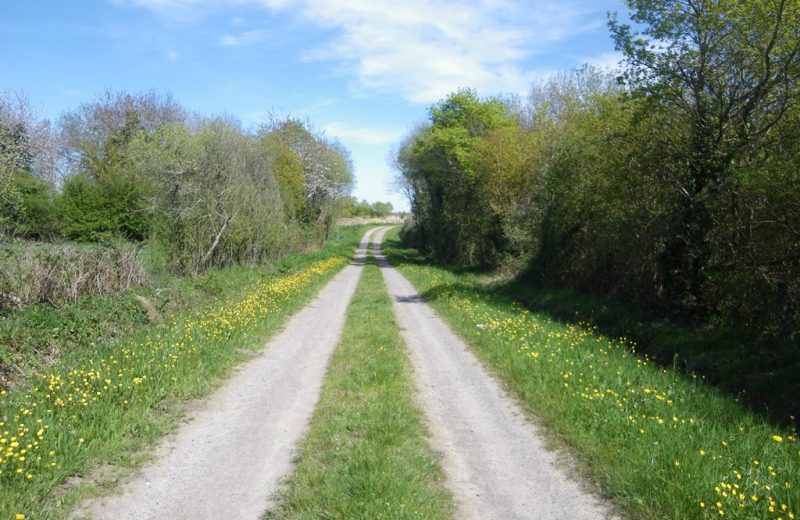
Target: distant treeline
column 675, row 185
column 139, row 167
column 351, row 207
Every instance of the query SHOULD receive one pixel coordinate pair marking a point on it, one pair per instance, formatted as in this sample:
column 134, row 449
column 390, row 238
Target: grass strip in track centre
column 99, row 410
column 365, row 456
column 663, row 444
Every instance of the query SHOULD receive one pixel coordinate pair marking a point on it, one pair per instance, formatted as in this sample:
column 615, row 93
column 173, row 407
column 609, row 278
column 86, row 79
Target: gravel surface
column 495, row 463
column 229, row 459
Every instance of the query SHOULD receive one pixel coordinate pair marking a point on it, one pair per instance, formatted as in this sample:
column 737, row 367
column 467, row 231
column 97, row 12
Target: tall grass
column 53, row 273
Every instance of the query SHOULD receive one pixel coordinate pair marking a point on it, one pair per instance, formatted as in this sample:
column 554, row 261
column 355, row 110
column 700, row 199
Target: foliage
column 136, row 167
column 453, row 214
column 288, row 170
column 676, row 188
column 28, row 208
column 325, row 166
column 215, row 198
column 95, row 209
column 28, row 150
column 728, row 73
column 351, row 207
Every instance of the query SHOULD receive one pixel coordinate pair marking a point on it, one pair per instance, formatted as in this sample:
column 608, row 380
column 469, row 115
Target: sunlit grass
column 365, row 456
column 664, row 444
column 110, row 399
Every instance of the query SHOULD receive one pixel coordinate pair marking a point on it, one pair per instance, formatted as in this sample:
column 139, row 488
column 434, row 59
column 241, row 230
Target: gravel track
column 229, row 459
column 495, row 463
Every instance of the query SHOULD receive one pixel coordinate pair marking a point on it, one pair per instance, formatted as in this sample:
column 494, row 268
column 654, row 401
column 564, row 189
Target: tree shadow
column 764, row 380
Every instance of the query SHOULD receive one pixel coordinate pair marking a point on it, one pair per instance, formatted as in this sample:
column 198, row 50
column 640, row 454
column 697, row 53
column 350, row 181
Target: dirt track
column 228, row 461
column 495, row 462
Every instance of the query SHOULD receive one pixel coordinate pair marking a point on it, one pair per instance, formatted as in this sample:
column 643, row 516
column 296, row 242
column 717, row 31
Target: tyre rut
column 495, row 462
column 230, row 458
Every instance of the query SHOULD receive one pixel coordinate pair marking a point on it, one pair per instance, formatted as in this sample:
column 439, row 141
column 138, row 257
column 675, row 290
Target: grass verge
column 664, row 445
column 36, row 337
column 766, row 377
column 101, row 404
column 365, row 456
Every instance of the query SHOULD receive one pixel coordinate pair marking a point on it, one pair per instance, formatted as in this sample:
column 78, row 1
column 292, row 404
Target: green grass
column 765, row 377
column 103, row 405
column 36, row 337
column 365, row 455
column 660, row 441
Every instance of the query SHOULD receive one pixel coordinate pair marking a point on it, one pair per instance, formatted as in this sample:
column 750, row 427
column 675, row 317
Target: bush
column 92, row 209
column 53, row 273
column 28, row 208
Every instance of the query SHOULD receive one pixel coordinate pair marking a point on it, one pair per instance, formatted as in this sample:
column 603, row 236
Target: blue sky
column 363, row 71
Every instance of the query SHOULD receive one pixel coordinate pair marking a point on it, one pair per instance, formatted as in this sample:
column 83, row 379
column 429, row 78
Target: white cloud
column 366, row 135
column 423, row 49
column 245, row 38
column 173, row 55
column 606, row 60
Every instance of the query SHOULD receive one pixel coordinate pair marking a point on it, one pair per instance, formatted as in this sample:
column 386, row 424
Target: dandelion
column 576, row 359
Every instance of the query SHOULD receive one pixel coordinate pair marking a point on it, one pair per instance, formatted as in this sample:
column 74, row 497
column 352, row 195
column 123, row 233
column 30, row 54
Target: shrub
column 28, row 208
column 92, row 209
column 53, row 273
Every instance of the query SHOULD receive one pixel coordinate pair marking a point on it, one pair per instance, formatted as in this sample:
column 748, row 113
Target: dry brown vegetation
column 54, row 273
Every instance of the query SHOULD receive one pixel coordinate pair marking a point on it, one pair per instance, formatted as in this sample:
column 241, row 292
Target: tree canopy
column 674, row 184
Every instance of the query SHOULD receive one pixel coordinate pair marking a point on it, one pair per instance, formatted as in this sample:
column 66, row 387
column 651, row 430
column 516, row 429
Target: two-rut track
column 228, row 461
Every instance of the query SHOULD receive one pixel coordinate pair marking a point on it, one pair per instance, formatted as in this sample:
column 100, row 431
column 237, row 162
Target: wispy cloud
column 245, row 38
column 606, row 60
column 424, row 49
column 366, row 135
column 317, row 106
column 184, row 10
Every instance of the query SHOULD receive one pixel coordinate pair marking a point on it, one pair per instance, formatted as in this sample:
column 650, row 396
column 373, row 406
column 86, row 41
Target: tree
column 381, row 209
column 451, row 209
column 351, row 207
column 288, row 170
column 729, row 70
column 28, row 154
column 327, row 170
column 96, row 133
